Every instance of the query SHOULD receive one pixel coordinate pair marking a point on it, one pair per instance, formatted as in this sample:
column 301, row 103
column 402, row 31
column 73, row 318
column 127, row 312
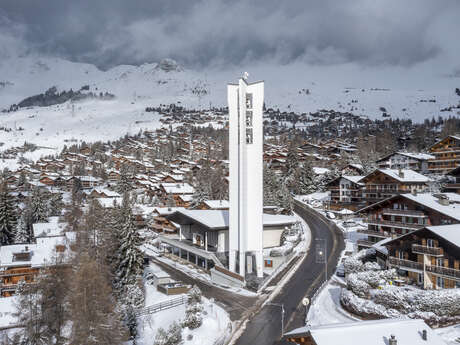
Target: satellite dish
column 305, row 301
column 245, row 75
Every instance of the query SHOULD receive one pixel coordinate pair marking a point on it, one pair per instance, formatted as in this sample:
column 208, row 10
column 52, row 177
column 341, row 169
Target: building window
column 249, row 136
column 248, row 118
column 430, row 242
column 268, row 263
column 420, row 278
column 249, row 101
column 440, row 282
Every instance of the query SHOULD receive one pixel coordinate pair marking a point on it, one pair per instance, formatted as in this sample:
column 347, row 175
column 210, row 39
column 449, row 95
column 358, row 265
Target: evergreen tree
column 7, row 216
column 38, row 205
column 55, row 205
column 124, row 184
column 129, row 256
column 22, row 233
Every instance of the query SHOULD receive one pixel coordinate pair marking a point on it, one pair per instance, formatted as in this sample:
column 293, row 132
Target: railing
column 155, row 308
column 445, row 271
column 393, row 224
column 382, row 234
column 405, row 263
column 440, row 270
column 407, row 213
column 434, row 251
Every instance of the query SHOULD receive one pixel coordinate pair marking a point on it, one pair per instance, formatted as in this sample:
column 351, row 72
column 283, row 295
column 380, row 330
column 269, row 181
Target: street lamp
column 321, row 253
column 282, row 316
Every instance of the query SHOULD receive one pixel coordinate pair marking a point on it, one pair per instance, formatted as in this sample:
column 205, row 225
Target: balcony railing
column 382, row 234
column 407, row 213
column 444, row 271
column 391, row 224
column 439, row 270
column 433, row 251
column 405, row 263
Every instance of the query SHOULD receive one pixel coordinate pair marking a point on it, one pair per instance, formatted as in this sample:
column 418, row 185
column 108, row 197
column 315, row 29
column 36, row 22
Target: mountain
column 373, row 92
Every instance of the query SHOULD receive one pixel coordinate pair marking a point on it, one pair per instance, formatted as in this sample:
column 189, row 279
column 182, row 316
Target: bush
column 171, row 337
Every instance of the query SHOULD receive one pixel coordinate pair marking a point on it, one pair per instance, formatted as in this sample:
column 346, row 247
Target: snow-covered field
column 215, row 320
column 53, row 127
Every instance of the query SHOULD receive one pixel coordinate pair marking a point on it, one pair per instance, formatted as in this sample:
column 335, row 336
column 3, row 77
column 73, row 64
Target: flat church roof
column 219, row 219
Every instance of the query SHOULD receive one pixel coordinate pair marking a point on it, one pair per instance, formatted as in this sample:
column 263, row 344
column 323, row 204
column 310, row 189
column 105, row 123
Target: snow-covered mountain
column 401, row 92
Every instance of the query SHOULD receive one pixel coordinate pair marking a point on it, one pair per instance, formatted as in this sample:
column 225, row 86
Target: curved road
column 265, row 327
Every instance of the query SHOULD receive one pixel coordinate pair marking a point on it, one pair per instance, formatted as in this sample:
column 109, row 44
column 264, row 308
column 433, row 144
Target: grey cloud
column 202, row 32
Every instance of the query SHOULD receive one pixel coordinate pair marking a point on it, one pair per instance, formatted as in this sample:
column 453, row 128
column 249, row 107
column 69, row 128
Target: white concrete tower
column 245, row 106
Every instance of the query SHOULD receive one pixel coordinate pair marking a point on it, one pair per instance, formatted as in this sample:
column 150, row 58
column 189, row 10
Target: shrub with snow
column 193, row 312
column 355, row 264
column 171, row 337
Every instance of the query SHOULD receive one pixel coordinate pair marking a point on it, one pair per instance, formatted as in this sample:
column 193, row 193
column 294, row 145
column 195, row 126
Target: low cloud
column 199, row 33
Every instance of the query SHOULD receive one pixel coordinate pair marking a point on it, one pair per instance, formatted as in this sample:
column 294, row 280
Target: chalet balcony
column 433, row 251
column 444, row 271
column 401, row 263
column 418, row 266
column 381, row 234
column 390, row 224
column 406, row 213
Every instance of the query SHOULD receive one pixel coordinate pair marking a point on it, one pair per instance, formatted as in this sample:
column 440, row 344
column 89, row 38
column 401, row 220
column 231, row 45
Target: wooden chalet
column 453, row 187
column 447, row 155
column 384, row 183
column 405, row 213
column 429, row 257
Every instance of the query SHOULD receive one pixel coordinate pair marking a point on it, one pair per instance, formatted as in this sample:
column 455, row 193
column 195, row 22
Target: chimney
column 443, row 200
column 400, row 173
column 393, row 340
column 424, row 335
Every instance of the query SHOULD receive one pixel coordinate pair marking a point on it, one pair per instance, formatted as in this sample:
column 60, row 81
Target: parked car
column 340, row 272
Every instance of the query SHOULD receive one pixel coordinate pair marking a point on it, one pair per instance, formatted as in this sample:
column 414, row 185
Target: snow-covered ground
column 326, row 308
column 7, row 310
column 215, row 320
column 402, row 92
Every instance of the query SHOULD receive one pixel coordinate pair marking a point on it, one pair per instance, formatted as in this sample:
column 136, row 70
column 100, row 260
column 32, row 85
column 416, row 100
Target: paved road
column 237, row 306
column 265, row 327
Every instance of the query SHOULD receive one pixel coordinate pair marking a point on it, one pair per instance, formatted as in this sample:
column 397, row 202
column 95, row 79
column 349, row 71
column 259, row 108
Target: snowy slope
column 399, row 91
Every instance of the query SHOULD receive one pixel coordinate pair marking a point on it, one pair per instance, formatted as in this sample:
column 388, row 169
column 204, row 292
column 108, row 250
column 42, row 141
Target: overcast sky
column 199, row 33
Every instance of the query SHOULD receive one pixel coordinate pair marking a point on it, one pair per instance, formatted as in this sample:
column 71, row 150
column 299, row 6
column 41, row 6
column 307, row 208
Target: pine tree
column 38, row 204
column 129, row 256
column 124, row 184
column 7, row 216
column 22, row 233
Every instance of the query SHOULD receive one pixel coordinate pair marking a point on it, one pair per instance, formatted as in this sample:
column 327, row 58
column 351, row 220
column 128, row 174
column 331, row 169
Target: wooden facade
column 398, row 216
column 447, row 155
column 429, row 259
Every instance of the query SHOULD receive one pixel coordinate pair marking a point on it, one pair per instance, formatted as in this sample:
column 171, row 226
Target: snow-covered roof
column 375, row 332
column 110, row 202
column 178, row 188
column 40, row 253
column 52, row 228
column 164, row 211
column 217, row 204
column 450, row 232
column 108, row 192
column 406, row 175
column 431, row 201
column 320, row 171
column 354, row 179
column 219, row 219
column 418, row 156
